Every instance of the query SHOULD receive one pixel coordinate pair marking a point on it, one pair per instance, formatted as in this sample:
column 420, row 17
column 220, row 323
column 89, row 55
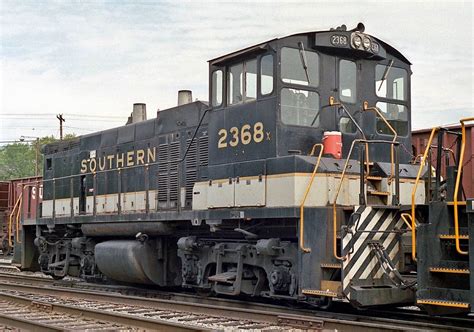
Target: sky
column 91, row 60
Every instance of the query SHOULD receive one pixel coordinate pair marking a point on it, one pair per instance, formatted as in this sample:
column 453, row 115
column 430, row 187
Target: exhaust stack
column 138, row 113
column 185, row 97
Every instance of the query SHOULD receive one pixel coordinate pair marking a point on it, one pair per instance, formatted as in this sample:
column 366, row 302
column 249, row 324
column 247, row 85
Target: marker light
column 357, row 41
column 367, row 43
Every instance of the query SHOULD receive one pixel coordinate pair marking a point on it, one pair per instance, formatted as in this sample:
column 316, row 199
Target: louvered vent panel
column 173, row 170
column 191, row 157
column 203, row 150
column 173, row 178
column 163, row 187
column 163, row 158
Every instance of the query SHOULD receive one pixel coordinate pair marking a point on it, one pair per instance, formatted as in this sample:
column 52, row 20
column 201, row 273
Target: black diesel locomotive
column 295, row 182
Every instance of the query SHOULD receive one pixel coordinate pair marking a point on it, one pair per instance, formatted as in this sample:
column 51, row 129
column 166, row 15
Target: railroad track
column 197, row 313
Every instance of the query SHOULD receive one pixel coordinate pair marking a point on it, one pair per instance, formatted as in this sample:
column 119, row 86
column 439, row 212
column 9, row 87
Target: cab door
column 348, row 78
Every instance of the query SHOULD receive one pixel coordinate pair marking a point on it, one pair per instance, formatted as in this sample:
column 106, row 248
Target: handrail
column 10, row 220
column 146, row 165
column 334, row 204
column 456, row 187
column 17, row 237
column 334, row 211
column 415, row 160
column 395, row 135
column 413, row 193
column 333, row 102
column 307, row 193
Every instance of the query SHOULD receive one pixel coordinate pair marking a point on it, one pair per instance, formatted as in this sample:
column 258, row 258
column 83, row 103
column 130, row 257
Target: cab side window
column 266, row 75
column 217, row 88
column 242, row 82
column 347, row 81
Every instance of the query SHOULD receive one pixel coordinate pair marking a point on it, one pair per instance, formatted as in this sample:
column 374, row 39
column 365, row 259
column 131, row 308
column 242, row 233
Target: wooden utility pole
column 61, row 120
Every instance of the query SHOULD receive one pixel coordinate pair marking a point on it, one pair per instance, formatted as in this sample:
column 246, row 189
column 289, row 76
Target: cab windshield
column 391, row 88
column 300, row 77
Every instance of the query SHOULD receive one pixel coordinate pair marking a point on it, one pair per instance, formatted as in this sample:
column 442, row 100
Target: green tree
column 18, row 160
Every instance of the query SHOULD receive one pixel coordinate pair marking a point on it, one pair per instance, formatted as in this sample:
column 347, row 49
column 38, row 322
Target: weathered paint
column 420, row 140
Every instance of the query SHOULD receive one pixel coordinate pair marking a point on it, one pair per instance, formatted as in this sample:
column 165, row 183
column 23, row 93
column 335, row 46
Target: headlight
column 357, row 41
column 367, row 43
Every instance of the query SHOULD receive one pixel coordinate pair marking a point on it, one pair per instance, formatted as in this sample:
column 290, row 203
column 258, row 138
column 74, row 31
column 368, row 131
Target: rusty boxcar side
column 420, row 140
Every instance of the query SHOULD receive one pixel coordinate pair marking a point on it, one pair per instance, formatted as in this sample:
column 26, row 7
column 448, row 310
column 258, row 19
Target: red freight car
column 420, row 140
column 4, row 189
column 19, row 202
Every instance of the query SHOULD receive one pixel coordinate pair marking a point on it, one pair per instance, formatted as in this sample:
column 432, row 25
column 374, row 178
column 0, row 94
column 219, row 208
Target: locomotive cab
column 273, row 98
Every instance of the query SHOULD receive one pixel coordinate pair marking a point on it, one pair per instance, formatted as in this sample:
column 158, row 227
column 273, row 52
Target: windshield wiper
column 303, row 60
column 385, row 74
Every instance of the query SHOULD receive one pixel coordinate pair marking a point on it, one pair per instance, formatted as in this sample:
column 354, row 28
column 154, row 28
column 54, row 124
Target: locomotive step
column 374, row 178
column 459, row 203
column 319, row 292
column 452, row 237
column 330, row 265
column 443, row 303
column 386, row 207
column 378, row 193
column 437, row 269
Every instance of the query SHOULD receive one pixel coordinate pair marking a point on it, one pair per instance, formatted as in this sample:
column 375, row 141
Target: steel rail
column 103, row 315
column 343, row 317
column 7, row 320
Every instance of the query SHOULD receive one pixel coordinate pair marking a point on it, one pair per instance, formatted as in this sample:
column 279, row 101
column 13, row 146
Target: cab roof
column 260, row 47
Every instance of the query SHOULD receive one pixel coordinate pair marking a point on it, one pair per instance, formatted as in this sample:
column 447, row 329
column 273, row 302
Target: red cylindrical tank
column 332, row 141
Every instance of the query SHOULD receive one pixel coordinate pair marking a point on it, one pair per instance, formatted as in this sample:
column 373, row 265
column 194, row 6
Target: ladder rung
column 459, row 203
column 452, row 237
column 375, row 178
column 319, row 292
column 378, row 193
column 331, row 265
column 443, row 303
column 448, row 270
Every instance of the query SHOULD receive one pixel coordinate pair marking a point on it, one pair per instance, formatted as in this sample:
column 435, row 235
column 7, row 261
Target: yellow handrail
column 17, row 237
column 404, row 218
column 307, row 193
column 334, row 204
column 333, row 102
column 334, row 209
column 458, row 181
column 392, row 152
column 10, row 221
column 413, row 193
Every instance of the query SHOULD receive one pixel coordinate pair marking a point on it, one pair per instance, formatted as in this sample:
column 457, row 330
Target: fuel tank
column 137, row 262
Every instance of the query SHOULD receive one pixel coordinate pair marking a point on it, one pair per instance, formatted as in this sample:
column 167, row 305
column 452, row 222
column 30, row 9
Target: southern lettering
column 119, row 160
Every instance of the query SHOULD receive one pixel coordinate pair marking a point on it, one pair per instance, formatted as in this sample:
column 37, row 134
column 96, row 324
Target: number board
column 243, row 132
column 339, row 40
